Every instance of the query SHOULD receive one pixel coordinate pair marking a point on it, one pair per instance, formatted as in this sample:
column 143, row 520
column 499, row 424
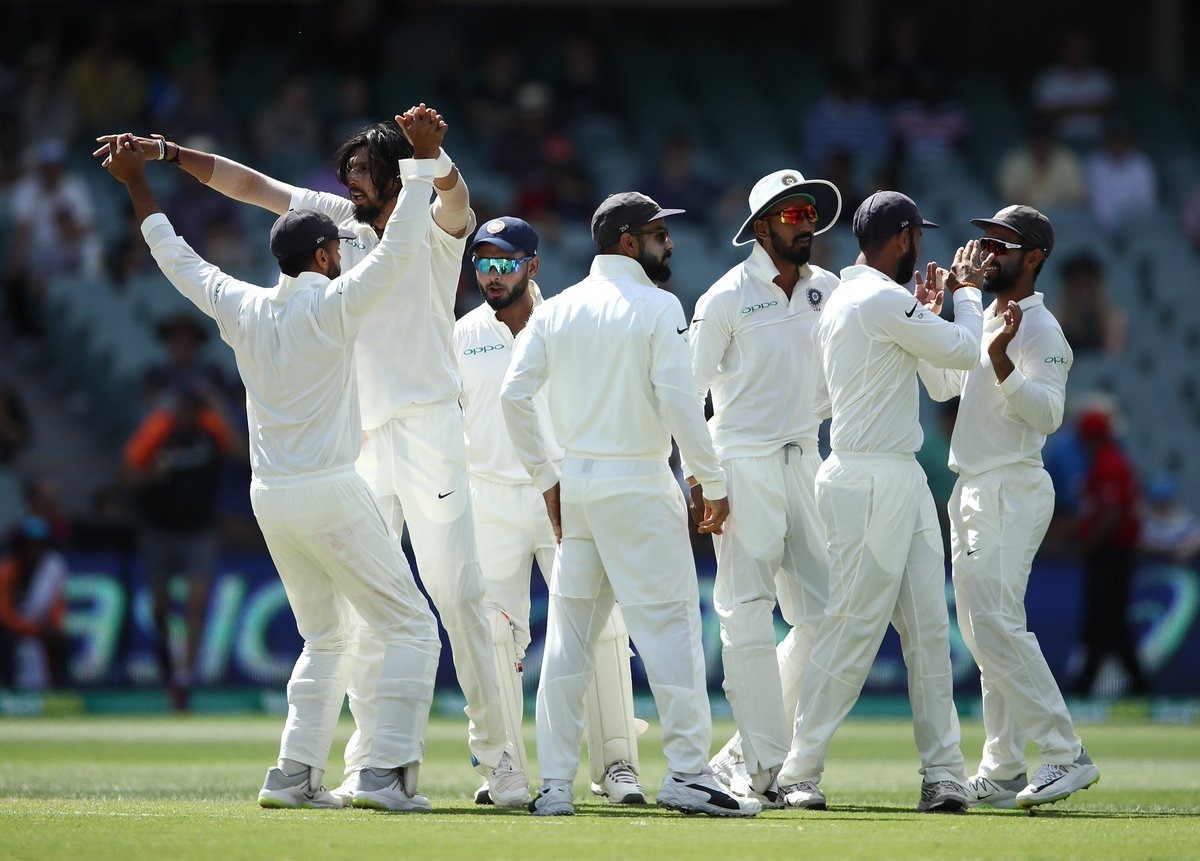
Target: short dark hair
column 297, row 263
column 385, row 145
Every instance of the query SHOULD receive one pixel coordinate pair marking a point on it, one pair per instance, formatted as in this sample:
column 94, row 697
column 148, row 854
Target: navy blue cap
column 886, row 213
column 301, row 230
column 507, row 233
column 620, row 213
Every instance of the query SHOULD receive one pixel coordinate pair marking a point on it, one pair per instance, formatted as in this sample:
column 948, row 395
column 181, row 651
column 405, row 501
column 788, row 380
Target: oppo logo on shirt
column 354, row 243
column 750, row 309
column 1056, row 360
column 475, row 351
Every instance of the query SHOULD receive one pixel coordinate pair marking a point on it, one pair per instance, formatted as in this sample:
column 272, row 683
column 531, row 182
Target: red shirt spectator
column 1108, row 514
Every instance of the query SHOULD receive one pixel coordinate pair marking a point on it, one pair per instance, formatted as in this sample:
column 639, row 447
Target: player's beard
column 369, row 212
column 792, row 253
column 656, row 270
column 511, row 298
column 906, row 266
column 1002, row 281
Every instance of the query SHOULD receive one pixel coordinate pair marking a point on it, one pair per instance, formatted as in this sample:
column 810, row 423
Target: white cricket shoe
column 942, row 796
column 805, row 795
column 730, row 769
column 293, row 791
column 1055, row 782
column 392, row 790
column 553, row 801
column 507, row 786
column 994, row 791
column 703, row 793
column 620, row 784
column 345, row 792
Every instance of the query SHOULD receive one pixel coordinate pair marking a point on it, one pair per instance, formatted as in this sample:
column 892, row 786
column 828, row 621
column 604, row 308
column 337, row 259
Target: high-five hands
column 424, row 128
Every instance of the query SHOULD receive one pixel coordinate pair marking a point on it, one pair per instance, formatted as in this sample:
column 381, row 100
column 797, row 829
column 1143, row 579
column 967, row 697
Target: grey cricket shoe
column 292, row 791
column 805, row 795
column 703, row 793
column 1055, row 782
column 507, row 786
column 995, row 791
column 942, row 796
column 553, row 801
column 393, row 790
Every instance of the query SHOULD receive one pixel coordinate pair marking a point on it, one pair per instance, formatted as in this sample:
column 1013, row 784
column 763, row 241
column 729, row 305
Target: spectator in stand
column 45, row 107
column 1121, row 180
column 34, row 648
column 15, row 429
column 1093, row 324
column 929, row 127
column 287, row 135
column 193, row 107
column 585, row 95
column 173, row 461
column 1170, row 531
column 108, row 87
column 53, row 233
column 1041, row 172
column 518, row 153
column 43, row 499
column 183, row 334
column 677, row 178
column 1075, row 95
column 1108, row 528
column 846, row 118
column 903, row 58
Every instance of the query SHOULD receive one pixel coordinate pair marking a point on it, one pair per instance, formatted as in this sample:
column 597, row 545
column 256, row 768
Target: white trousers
column 342, row 567
column 512, row 529
column 885, row 564
column 416, row 466
column 624, row 538
column 997, row 522
column 773, row 547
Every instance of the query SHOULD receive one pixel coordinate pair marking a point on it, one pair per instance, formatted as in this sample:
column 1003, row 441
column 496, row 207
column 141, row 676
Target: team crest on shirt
column 495, row 227
column 815, row 298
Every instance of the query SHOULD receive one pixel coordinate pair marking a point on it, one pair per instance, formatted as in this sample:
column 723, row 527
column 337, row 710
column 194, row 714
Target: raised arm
column 232, row 179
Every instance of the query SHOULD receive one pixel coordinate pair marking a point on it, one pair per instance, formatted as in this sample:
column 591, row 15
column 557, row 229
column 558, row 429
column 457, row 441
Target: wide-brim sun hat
column 786, row 183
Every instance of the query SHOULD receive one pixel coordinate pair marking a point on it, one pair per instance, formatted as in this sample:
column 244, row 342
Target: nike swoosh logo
column 976, row 550
column 1051, row 783
column 444, row 495
column 909, row 312
column 696, row 320
column 681, row 331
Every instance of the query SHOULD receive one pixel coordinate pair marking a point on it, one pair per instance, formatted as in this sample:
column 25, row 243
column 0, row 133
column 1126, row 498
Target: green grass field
column 159, row 787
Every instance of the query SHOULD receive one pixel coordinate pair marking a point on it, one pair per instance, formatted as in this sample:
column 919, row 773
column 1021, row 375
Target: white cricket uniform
column 338, row 558
column 755, row 349
column 512, row 528
column 999, row 513
column 414, row 459
column 885, row 546
column 611, row 351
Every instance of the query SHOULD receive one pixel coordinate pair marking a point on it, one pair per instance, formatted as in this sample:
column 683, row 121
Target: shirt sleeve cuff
column 157, row 228
column 1012, row 382
column 714, row 489
column 969, row 293
column 418, row 168
column 545, row 477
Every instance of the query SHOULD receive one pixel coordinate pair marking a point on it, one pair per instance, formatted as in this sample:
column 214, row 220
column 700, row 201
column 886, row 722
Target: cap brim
column 824, row 192
column 995, row 222
column 663, row 213
column 925, row 223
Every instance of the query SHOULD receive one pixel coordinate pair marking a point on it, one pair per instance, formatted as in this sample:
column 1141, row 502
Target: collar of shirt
column 859, row 270
column 1031, row 301
column 760, row 265
column 289, row 285
column 612, row 266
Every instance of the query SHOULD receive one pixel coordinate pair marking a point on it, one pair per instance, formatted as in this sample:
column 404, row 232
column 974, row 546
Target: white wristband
column 162, row 148
column 442, row 165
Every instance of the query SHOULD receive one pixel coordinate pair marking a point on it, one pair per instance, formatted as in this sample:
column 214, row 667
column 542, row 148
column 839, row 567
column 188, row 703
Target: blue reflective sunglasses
column 503, row 265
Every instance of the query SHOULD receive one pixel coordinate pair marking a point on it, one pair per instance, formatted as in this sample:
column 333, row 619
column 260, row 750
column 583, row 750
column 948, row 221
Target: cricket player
column 335, row 552
column 511, row 525
column 752, row 346
column 884, row 541
column 612, row 352
column 1000, row 510
column 413, row 454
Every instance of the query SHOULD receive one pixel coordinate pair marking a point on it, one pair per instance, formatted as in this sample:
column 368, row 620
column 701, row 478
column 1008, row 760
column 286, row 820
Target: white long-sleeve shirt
column 612, row 352
column 871, row 335
column 294, row 342
column 483, row 347
column 756, row 350
column 404, row 354
column 1000, row 424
